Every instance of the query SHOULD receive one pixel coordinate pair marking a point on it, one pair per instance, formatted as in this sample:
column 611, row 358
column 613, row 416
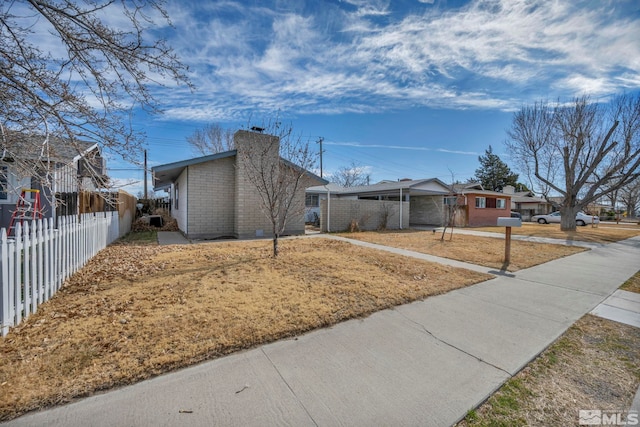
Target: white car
column 582, row 218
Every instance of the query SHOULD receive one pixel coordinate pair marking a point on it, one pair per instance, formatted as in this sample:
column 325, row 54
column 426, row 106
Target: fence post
column 17, row 274
column 4, row 303
column 42, row 296
column 28, row 292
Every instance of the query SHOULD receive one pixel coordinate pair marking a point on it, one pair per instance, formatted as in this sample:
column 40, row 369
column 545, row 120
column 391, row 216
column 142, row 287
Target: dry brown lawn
column 604, row 233
column 136, row 311
column 487, row 251
column 633, row 284
column 594, row 365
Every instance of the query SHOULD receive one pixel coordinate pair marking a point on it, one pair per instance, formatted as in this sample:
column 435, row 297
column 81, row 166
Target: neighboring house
column 428, row 200
column 527, row 203
column 60, row 170
column 482, row 207
column 213, row 198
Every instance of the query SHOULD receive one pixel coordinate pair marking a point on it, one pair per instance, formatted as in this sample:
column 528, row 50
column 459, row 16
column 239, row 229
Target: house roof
column 165, row 175
column 332, row 187
column 430, row 186
column 31, row 147
column 468, row 186
column 527, row 197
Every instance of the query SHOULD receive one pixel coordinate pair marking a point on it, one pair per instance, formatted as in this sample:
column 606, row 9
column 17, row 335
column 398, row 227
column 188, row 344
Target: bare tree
column 278, row 168
column 580, row 151
column 351, row 176
column 211, row 139
column 85, row 90
column 630, row 195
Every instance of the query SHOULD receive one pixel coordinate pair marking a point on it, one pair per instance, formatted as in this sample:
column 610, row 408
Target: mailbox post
column 508, row 223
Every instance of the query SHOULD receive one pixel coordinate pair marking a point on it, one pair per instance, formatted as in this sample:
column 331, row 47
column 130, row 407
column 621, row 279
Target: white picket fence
column 38, row 258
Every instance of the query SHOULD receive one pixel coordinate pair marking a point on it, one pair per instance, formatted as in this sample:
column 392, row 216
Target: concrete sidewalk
column 500, row 235
column 425, row 363
column 172, row 238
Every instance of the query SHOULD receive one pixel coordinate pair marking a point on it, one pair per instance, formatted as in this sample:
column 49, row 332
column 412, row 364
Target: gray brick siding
column 368, row 213
column 427, row 210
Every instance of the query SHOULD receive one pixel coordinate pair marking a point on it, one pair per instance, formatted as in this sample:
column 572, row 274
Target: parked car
column 582, row 218
column 515, row 214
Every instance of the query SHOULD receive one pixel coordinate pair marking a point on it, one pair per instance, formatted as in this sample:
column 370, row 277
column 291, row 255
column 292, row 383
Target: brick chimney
column 255, row 151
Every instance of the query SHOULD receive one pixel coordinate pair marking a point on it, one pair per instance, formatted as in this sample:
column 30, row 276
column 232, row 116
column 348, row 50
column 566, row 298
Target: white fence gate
column 35, row 262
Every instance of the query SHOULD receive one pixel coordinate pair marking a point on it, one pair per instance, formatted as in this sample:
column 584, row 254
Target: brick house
column 212, row 196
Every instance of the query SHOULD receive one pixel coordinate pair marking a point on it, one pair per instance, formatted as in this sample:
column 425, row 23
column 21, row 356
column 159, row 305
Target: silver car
column 582, row 218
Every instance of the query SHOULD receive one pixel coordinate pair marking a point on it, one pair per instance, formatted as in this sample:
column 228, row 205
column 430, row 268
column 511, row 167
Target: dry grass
column 137, row 311
column 601, row 234
column 487, row 251
column 633, row 284
column 594, row 365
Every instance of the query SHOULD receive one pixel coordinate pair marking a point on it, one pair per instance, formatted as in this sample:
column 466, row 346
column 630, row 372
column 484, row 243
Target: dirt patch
column 595, row 365
column 138, row 311
column 487, row 251
column 601, row 234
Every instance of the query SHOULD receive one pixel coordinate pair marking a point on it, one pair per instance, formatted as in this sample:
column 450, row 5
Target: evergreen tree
column 493, row 173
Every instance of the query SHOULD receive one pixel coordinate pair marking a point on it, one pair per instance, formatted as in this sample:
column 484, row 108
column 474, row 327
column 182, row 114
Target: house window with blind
column 490, row 203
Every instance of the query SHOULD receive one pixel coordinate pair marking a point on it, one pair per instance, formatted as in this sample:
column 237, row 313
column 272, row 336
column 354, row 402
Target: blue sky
column 407, row 89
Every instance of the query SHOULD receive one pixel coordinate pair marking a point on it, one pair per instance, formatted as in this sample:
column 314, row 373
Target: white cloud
column 488, row 54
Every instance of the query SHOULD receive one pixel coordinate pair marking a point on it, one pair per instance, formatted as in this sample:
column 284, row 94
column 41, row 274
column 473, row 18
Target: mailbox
column 509, row 222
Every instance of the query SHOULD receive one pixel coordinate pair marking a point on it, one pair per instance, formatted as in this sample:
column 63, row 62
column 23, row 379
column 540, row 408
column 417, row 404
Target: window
column 490, row 203
column 312, row 201
column 176, row 194
column 450, row 201
column 4, row 171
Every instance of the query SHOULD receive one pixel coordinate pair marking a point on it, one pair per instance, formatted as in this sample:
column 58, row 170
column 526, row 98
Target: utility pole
column 320, row 139
column 145, row 174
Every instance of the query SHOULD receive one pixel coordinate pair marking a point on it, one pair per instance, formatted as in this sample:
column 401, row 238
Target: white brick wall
column 211, row 208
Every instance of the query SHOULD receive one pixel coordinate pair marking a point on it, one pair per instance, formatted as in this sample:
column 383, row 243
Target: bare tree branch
column 581, row 152
column 86, row 91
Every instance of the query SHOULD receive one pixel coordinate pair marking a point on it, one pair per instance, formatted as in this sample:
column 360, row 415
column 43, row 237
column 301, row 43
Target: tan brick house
column 212, row 196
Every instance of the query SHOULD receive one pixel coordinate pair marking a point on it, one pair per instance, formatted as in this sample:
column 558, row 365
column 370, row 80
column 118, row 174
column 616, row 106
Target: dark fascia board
column 485, row 193
column 194, row 161
column 166, row 174
column 169, row 172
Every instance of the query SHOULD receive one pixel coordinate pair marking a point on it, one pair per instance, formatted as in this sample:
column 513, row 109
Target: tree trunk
column 275, row 245
column 568, row 218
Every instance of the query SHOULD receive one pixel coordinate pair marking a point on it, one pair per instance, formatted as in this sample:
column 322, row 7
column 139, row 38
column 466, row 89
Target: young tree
column 493, row 173
column 581, row 151
column 351, row 176
column 87, row 88
column 277, row 166
column 211, row 139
